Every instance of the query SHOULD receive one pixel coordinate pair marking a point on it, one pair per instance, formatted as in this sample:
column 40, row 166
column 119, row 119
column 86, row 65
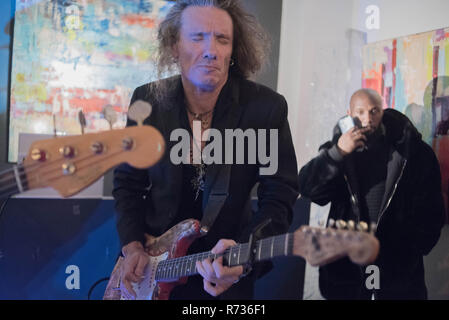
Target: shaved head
column 372, row 95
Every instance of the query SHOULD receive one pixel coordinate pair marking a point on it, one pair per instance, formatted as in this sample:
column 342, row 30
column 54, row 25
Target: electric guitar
column 168, row 266
column 71, row 163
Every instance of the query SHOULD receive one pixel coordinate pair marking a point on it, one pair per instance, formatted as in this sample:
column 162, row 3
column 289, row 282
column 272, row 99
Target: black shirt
column 371, row 169
column 191, row 199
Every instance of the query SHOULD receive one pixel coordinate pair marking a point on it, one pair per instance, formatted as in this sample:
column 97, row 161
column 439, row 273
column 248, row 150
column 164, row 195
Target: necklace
column 198, row 180
column 204, row 117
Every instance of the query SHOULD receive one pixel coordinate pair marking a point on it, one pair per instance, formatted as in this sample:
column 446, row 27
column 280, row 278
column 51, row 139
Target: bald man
column 380, row 172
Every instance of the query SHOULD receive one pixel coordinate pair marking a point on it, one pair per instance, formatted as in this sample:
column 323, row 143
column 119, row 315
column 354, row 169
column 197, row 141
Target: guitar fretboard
column 264, row 249
column 12, row 181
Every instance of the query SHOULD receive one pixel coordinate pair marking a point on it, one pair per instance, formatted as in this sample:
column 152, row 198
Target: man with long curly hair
column 216, row 46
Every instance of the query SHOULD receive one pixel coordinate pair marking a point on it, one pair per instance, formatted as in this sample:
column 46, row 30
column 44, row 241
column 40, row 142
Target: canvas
column 412, row 75
column 80, row 55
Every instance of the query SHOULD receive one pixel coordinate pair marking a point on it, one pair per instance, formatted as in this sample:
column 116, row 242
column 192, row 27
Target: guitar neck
column 264, row 249
column 12, row 181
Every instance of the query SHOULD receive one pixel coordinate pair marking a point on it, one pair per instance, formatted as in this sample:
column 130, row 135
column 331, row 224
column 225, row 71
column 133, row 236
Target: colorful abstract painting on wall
column 79, row 55
column 412, row 75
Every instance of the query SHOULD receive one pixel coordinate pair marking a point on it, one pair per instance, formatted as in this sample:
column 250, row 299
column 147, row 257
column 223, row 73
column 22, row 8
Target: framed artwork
column 79, row 55
column 412, row 75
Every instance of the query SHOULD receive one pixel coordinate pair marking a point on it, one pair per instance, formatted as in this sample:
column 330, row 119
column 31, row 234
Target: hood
column 401, row 132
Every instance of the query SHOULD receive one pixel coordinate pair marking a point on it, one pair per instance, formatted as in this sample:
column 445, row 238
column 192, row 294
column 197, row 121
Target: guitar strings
column 276, row 240
column 23, row 173
column 165, row 267
column 30, row 169
column 46, row 164
column 5, row 171
column 86, row 158
column 11, row 181
column 166, row 270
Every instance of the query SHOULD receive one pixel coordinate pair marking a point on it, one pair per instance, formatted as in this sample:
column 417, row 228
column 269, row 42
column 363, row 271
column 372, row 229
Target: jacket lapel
column 394, row 169
column 399, row 140
column 171, row 120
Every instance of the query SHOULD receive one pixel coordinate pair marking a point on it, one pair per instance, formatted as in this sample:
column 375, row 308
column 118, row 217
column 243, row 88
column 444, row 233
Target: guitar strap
column 220, row 189
column 217, row 198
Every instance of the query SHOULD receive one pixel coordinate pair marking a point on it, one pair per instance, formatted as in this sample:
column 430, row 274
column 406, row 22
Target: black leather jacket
column 410, row 220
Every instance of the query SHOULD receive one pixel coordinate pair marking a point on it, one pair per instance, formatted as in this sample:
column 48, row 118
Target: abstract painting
column 79, row 55
column 412, row 75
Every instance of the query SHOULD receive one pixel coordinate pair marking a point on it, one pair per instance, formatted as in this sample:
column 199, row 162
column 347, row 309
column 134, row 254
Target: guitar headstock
column 70, row 164
column 322, row 246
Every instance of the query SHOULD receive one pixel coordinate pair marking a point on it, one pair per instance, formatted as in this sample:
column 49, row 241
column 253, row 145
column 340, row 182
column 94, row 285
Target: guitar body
column 168, row 266
column 172, row 244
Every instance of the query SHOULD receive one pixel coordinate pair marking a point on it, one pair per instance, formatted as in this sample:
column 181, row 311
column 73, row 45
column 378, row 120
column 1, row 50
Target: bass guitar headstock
column 70, row 164
column 322, row 246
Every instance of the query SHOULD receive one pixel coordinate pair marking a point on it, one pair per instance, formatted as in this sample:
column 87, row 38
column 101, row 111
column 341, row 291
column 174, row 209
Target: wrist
column 341, row 151
column 336, row 153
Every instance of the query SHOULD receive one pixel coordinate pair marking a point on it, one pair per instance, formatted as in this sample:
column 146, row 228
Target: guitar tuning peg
column 331, row 223
column 373, row 227
column 351, row 225
column 82, row 120
column 306, row 229
column 327, row 232
column 54, row 126
column 139, row 111
column 362, row 226
column 341, row 224
column 110, row 115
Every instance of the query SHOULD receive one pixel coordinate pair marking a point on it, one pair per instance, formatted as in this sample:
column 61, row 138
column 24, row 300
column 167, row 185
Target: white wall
column 318, row 68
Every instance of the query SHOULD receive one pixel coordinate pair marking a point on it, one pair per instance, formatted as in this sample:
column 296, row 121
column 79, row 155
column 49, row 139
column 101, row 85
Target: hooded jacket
column 409, row 222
